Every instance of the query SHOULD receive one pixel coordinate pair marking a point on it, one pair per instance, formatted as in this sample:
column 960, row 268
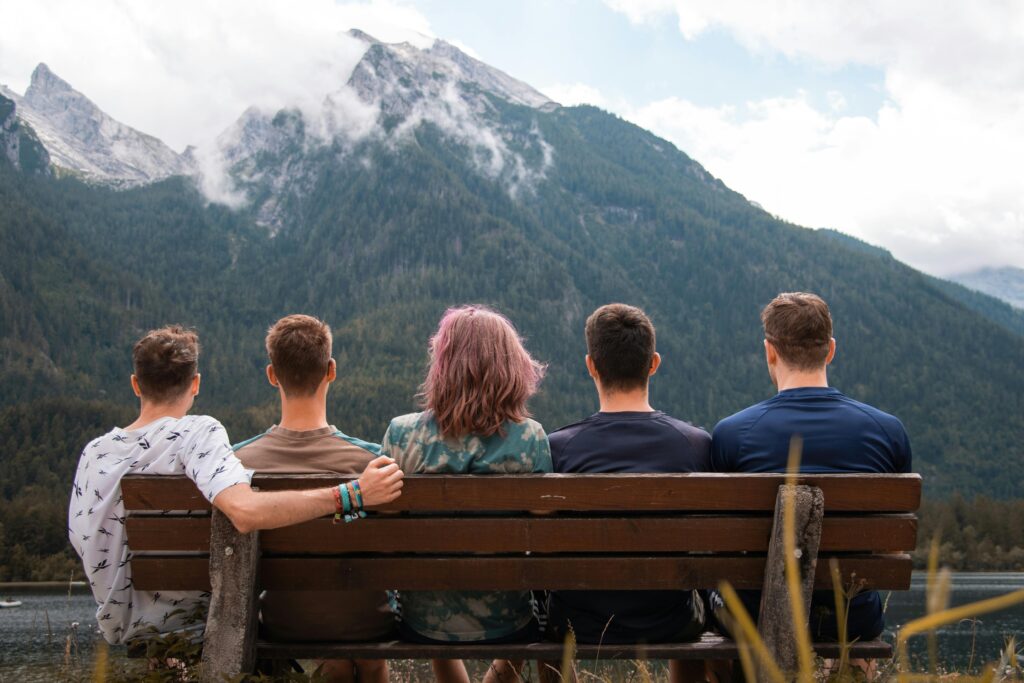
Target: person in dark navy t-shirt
column 839, row 434
column 627, row 435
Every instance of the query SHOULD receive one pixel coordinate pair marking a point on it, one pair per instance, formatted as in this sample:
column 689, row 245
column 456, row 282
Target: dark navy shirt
column 839, row 435
column 626, row 442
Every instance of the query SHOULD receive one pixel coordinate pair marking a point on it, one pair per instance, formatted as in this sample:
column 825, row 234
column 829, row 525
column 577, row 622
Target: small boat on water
column 10, row 603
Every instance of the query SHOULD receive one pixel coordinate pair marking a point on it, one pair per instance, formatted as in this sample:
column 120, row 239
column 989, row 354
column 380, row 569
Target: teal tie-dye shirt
column 414, row 441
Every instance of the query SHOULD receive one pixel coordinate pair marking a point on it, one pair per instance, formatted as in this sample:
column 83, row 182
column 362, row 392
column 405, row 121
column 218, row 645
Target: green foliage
column 974, row 535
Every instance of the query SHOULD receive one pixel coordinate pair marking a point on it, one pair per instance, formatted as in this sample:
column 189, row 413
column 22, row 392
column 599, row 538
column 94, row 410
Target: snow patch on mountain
column 395, row 88
column 83, row 140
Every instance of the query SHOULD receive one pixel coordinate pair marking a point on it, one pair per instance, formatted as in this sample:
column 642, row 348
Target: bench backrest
column 619, row 531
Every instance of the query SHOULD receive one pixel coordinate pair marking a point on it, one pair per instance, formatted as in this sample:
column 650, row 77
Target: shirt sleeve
column 209, row 460
column 724, row 447
column 542, row 453
column 905, row 456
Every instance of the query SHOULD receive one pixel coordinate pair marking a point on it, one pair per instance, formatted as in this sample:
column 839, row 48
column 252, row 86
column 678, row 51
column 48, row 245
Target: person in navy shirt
column 627, row 435
column 839, row 434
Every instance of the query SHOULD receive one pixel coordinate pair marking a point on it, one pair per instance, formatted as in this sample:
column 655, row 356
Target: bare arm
column 248, row 510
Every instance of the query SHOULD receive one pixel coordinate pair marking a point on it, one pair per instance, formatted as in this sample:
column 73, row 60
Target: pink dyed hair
column 480, row 375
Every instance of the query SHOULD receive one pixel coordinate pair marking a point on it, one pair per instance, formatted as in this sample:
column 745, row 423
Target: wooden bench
column 635, row 532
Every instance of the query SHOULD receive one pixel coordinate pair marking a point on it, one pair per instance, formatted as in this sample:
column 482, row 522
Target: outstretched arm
column 248, row 510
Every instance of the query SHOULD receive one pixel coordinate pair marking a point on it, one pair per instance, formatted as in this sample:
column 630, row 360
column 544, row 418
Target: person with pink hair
column 474, row 421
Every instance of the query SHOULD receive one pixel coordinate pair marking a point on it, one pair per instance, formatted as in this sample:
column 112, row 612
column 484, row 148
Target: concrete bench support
column 231, row 625
column 777, row 623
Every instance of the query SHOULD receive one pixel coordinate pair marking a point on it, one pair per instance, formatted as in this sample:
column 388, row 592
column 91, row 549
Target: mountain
column 1003, row 283
column 83, row 140
column 426, row 179
column 19, row 143
column 989, row 305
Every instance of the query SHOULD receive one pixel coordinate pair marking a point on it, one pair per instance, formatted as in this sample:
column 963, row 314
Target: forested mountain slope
column 500, row 197
column 383, row 248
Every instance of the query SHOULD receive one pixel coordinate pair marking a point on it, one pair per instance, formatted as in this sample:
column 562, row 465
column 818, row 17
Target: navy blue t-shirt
column 626, row 442
column 839, row 435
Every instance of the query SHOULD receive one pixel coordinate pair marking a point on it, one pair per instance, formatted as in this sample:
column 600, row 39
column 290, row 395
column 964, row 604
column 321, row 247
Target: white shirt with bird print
column 196, row 446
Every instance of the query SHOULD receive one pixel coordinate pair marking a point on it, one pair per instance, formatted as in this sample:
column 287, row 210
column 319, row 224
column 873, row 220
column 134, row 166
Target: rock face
column 272, row 159
column 83, row 140
column 19, row 144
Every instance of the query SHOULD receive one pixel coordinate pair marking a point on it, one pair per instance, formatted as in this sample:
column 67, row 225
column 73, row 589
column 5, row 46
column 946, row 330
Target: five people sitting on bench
column 474, row 421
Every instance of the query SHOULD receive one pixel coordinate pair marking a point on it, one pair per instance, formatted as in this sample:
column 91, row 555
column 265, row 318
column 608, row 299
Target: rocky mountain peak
column 44, row 80
column 83, row 140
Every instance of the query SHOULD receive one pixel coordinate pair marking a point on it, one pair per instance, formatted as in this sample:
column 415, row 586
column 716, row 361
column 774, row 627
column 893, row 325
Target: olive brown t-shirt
column 316, row 615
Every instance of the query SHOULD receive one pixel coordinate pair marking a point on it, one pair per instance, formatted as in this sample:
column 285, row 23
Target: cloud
column 184, row 71
column 934, row 175
column 571, row 94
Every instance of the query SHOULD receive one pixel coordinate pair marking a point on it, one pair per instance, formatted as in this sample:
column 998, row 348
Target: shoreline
column 22, row 585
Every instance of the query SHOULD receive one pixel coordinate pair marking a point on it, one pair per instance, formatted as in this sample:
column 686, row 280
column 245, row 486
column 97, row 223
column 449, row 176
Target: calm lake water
column 33, row 637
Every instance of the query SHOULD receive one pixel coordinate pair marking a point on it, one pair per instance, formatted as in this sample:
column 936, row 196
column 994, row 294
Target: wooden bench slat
column 708, row 647
column 531, row 534
column 636, row 492
column 156, row 572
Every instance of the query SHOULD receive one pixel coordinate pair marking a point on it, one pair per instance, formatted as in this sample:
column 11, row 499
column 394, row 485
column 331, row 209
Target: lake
column 33, row 637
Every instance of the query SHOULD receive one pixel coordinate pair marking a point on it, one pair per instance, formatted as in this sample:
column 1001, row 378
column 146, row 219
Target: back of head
column 299, row 347
column 620, row 342
column 165, row 361
column 480, row 375
column 799, row 326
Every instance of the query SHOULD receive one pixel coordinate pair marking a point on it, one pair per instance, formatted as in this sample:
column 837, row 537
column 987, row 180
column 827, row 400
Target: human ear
column 195, row 384
column 332, row 371
column 135, row 386
column 831, row 350
column 271, row 376
column 591, row 368
column 655, row 363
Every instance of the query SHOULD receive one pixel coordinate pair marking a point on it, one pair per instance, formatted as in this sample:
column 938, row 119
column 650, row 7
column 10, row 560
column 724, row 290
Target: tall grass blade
column 744, row 629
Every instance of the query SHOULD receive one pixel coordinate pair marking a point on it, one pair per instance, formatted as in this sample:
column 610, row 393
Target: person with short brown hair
column 166, row 440
column 303, row 441
column 628, row 435
column 838, row 433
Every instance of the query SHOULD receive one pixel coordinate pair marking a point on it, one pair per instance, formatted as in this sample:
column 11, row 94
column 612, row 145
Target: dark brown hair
column 480, row 374
column 165, row 361
column 799, row 326
column 299, row 347
column 620, row 341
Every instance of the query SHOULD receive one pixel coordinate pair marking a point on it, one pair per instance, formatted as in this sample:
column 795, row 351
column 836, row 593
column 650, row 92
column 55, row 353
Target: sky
column 899, row 123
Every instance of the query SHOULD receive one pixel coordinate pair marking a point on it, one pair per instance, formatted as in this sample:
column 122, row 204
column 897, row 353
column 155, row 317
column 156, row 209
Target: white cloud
column 571, row 94
column 184, row 71
column 935, row 175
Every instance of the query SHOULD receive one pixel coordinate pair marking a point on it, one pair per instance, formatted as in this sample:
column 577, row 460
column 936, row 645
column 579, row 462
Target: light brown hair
column 799, row 326
column 480, row 375
column 299, row 347
column 164, row 362
column 620, row 341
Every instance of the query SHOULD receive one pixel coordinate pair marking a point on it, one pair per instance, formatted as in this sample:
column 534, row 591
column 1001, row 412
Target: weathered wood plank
column 895, row 532
column 157, row 572
column 579, row 492
column 709, row 647
column 229, row 645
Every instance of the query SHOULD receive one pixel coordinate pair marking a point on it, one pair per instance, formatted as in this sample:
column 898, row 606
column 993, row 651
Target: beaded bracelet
column 357, row 496
column 343, row 504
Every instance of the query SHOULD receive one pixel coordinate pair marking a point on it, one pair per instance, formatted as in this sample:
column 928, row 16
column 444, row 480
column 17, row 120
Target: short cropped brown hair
column 299, row 347
column 620, row 341
column 164, row 361
column 799, row 326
